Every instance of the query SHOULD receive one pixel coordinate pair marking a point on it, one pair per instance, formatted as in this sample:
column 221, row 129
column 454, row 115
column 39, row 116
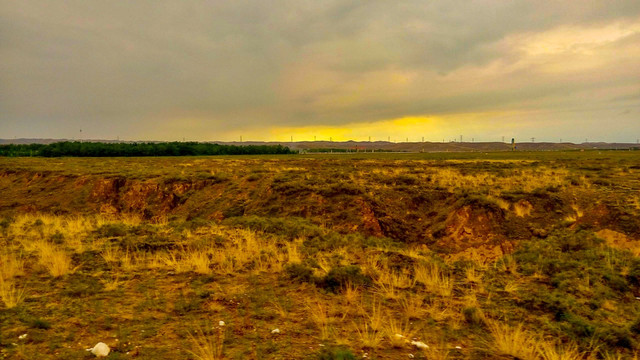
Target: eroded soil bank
column 457, row 207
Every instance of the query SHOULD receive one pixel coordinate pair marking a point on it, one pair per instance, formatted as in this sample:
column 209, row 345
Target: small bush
column 57, row 238
column 112, row 230
column 473, row 316
column 290, row 227
column 40, row 324
column 634, row 273
column 147, row 243
column 635, row 326
column 340, row 276
column 299, row 272
column 336, row 354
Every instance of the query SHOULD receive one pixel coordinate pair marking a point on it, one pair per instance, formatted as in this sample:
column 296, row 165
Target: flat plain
column 527, row 255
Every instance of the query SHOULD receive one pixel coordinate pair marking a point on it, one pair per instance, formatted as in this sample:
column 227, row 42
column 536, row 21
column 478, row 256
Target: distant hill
column 389, row 146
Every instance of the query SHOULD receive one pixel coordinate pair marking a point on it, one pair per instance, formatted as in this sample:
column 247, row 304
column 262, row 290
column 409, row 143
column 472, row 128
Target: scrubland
column 481, row 256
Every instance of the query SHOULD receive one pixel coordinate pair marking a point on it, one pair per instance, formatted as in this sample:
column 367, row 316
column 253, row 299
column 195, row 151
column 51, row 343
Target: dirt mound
column 619, row 240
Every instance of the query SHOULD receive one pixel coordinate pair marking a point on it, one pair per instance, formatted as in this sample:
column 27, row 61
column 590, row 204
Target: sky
column 313, row 69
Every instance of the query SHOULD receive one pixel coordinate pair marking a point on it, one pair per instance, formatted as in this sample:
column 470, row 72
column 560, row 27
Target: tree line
column 98, row 149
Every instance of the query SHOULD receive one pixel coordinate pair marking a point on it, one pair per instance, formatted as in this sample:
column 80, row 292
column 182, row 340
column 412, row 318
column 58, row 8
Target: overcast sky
column 270, row 70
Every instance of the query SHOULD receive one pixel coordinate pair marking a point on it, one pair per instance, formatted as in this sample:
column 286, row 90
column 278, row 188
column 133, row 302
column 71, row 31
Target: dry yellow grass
column 369, row 338
column 320, row 317
column 398, row 333
column 513, row 341
column 373, row 314
column 55, row 260
column 522, row 208
column 293, row 252
column 412, row 306
column 433, row 278
column 10, row 266
column 550, row 351
column 111, row 255
column 208, row 346
column 439, row 311
column 351, row 293
column 11, row 295
column 112, row 283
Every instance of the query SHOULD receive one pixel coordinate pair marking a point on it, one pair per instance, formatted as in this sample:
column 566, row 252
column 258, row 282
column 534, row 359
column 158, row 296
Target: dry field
column 377, row 256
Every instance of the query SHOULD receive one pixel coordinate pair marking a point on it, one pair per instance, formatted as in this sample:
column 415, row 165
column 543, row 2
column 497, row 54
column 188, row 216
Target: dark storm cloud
column 150, row 69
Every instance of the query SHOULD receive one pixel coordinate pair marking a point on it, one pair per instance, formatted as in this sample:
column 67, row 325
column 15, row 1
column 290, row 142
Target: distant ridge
column 386, row 146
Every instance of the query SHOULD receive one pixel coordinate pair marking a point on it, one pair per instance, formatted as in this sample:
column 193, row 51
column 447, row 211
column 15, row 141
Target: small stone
column 100, row 349
column 420, row 345
column 458, row 347
column 22, row 337
column 411, row 356
column 399, row 336
column 275, row 331
column 221, row 323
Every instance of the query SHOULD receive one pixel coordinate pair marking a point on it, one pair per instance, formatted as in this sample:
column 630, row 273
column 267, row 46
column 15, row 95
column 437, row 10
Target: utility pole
column 503, row 139
column 533, row 139
column 423, row 139
column 240, row 138
column 460, row 138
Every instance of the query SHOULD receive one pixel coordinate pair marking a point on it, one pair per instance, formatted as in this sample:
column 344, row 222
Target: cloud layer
column 214, row 70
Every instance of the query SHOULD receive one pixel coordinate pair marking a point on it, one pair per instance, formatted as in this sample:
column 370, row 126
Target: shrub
column 40, row 324
column 340, row 276
column 299, row 272
column 112, row 230
column 336, row 354
column 634, row 273
column 291, row 227
column 635, row 326
column 473, row 316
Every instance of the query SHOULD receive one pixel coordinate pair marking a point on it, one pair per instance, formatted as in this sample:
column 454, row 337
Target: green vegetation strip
column 98, row 149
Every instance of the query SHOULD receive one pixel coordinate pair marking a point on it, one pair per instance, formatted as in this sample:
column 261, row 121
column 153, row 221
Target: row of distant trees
column 98, row 149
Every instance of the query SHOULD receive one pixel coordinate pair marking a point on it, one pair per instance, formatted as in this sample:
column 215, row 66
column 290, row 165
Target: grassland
column 388, row 256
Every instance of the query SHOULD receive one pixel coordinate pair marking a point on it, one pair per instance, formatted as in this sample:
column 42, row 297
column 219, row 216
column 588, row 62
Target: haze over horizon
column 345, row 70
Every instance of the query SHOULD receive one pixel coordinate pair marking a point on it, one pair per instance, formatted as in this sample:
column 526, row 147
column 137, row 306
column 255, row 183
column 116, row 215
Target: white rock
column 420, row 345
column 458, row 347
column 411, row 356
column 399, row 336
column 275, row 331
column 100, row 350
column 22, row 337
column 221, row 323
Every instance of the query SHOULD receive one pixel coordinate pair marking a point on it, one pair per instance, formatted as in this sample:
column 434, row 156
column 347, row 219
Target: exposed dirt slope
column 454, row 207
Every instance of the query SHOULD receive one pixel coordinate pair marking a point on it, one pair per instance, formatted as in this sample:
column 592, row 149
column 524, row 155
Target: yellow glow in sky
column 411, row 128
